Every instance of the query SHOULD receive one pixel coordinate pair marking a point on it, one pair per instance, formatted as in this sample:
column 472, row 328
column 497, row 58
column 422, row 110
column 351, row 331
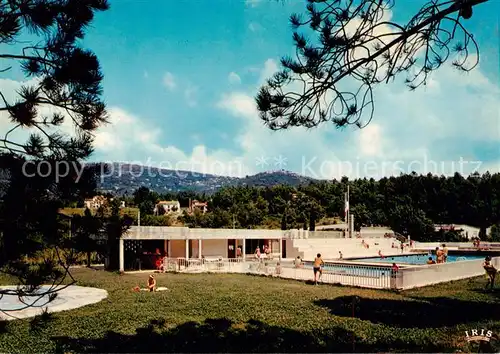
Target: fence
column 364, row 275
column 342, row 273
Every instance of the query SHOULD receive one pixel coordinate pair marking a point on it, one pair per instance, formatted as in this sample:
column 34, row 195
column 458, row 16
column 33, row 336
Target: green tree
column 495, row 233
column 43, row 39
column 347, row 48
column 87, row 230
column 412, row 222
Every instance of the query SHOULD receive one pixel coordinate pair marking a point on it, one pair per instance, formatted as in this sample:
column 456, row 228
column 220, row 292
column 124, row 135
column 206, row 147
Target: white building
column 168, row 206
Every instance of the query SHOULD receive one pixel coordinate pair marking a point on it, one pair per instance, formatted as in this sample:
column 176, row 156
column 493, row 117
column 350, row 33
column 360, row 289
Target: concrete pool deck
column 68, row 298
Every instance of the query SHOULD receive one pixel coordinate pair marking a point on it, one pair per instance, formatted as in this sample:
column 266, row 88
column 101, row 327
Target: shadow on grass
column 416, row 313
column 223, row 336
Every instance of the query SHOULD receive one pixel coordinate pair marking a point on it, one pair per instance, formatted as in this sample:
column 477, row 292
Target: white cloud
column 252, row 3
column 19, row 135
column 430, row 130
column 254, row 26
column 169, row 81
column 370, row 140
column 406, row 134
column 234, row 78
column 190, row 95
column 141, row 146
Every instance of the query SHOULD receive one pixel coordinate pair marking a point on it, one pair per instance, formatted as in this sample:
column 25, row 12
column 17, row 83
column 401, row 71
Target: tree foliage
column 64, row 78
column 345, row 48
column 62, row 94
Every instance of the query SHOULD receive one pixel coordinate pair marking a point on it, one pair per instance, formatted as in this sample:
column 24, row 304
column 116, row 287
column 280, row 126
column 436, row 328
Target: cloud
column 406, row 133
column 436, row 129
column 439, row 129
column 19, row 135
column 370, row 140
column 234, row 78
column 141, row 145
column 254, row 27
column 252, row 3
column 169, row 81
column 190, row 95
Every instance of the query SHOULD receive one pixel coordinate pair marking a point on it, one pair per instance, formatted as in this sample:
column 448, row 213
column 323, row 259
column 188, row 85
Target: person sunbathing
column 152, row 283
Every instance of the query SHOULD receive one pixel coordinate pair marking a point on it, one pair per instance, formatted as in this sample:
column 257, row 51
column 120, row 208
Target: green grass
column 240, row 313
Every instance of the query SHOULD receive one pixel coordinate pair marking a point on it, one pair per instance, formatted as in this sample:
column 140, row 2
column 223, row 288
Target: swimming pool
column 353, row 270
column 418, row 259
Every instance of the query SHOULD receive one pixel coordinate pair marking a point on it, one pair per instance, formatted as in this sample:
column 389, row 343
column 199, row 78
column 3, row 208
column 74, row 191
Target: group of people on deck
column 266, row 253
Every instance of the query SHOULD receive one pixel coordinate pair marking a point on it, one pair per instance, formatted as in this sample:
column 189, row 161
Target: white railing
column 351, row 274
column 347, row 273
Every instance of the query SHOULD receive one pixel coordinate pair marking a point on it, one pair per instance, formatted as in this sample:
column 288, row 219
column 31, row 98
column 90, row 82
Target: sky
column 181, row 77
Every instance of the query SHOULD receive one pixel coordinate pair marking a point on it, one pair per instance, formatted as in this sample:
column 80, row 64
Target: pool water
column 353, row 270
column 418, row 259
column 12, row 302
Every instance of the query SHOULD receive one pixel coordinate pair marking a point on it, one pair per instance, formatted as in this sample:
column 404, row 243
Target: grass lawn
column 239, row 313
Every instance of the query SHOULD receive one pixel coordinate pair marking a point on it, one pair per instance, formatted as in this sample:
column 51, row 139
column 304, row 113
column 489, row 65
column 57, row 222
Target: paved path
column 68, row 298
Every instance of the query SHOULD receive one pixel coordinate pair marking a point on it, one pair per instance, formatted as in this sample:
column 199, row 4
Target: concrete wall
column 182, row 233
column 291, row 251
column 177, row 248
column 194, row 248
column 214, row 248
column 424, row 275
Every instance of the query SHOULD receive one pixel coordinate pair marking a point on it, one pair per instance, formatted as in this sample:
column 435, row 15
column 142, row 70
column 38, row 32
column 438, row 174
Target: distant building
column 197, row 205
column 464, row 230
column 168, row 206
column 96, row 202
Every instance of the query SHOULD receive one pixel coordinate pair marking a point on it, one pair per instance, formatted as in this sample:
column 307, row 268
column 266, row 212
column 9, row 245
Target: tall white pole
column 347, row 212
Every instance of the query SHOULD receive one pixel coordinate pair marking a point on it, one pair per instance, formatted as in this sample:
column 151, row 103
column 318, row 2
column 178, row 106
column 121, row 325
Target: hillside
column 125, row 178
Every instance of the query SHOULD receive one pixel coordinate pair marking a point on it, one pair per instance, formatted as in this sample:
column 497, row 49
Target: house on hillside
column 465, row 230
column 197, row 205
column 167, row 207
column 96, row 202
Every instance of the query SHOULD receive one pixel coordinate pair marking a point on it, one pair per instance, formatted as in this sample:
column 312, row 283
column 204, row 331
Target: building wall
column 292, row 252
column 214, row 248
column 178, row 248
column 194, row 250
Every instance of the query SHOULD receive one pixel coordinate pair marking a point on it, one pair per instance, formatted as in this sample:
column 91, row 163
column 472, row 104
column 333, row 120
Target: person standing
column 318, row 263
column 445, row 253
column 439, row 255
column 491, row 272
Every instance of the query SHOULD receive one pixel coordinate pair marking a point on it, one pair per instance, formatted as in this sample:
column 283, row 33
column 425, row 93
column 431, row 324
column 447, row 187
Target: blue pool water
column 353, row 270
column 12, row 302
column 417, row 259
